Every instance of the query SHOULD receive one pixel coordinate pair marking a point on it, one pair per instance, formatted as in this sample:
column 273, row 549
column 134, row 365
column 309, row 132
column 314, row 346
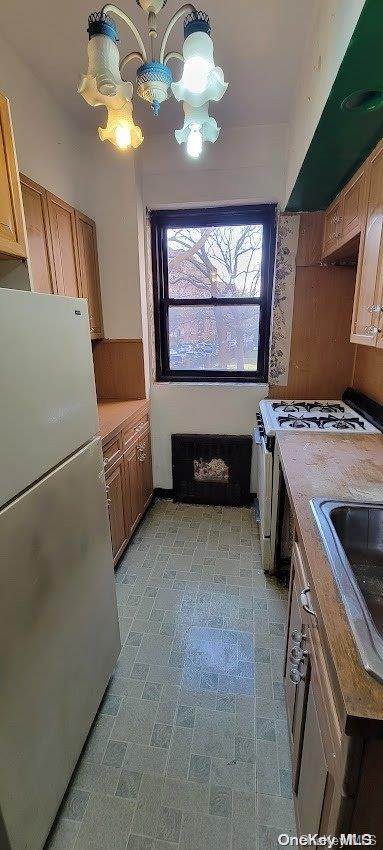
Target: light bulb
column 195, row 74
column 123, row 136
column 194, row 142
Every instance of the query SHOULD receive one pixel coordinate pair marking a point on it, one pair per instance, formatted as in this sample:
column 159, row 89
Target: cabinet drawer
column 112, row 452
column 132, row 432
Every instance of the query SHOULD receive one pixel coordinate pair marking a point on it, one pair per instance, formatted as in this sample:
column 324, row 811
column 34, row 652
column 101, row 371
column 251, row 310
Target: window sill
column 216, row 384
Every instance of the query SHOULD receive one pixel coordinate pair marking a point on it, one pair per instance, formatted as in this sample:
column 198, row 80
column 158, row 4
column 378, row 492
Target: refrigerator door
column 59, row 639
column 47, row 391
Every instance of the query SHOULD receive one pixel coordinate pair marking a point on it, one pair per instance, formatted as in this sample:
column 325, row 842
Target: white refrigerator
column 59, row 636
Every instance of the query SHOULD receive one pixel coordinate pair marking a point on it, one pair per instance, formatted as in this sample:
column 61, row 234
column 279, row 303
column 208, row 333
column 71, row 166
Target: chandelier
column 201, row 80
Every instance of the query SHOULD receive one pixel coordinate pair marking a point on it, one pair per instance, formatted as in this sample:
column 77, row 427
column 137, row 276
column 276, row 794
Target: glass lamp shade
column 198, row 127
column 201, row 80
column 103, row 78
column 120, row 129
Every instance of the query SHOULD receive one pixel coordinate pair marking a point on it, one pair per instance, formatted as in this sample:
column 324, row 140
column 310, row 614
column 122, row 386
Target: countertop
column 114, row 415
column 343, row 467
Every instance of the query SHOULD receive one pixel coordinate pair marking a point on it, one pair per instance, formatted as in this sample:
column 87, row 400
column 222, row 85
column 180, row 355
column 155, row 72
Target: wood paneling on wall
column 119, row 369
column 368, row 372
column 321, row 355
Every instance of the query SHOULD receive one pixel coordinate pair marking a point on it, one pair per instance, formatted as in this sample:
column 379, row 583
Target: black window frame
column 160, row 222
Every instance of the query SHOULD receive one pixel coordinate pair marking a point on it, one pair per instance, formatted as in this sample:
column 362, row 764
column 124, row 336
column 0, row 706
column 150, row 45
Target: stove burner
column 296, row 421
column 350, row 423
column 308, row 406
column 322, row 422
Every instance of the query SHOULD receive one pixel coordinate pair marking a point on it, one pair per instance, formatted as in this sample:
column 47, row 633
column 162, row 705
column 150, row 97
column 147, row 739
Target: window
column 212, row 274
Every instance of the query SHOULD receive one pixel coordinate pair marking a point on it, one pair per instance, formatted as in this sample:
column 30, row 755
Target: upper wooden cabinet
column 89, row 272
column 41, row 265
column 368, row 303
column 64, row 245
column 62, row 250
column 12, row 230
column 344, row 219
column 353, row 228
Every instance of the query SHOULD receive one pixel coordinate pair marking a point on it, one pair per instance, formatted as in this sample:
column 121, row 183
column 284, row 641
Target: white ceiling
column 258, row 43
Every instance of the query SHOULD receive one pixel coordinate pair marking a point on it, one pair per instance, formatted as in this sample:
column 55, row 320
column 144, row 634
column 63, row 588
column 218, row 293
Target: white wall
column 199, row 409
column 332, row 30
column 74, row 164
column 246, row 165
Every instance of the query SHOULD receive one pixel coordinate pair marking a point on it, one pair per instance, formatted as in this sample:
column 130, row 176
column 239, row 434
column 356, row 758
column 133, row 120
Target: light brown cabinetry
column 64, row 245
column 344, row 219
column 133, row 486
column 12, row 229
column 41, row 264
column 334, row 772
column 129, row 490
column 353, row 207
column 368, row 304
column 332, row 228
column 89, row 271
column 353, row 228
column 314, row 733
column 115, row 486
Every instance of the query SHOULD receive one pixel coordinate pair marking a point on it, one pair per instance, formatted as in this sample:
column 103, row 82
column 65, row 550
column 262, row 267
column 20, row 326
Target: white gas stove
column 334, row 416
column 356, row 414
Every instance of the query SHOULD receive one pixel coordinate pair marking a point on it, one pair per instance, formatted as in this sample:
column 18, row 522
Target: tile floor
column 189, row 750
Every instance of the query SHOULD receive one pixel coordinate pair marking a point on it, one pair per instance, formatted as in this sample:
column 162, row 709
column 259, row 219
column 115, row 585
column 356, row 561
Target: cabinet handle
column 297, row 636
column 297, row 654
column 305, row 603
column 375, row 308
column 295, row 674
column 371, row 330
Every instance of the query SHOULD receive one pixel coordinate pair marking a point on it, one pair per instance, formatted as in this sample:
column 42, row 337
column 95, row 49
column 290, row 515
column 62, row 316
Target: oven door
column 264, row 483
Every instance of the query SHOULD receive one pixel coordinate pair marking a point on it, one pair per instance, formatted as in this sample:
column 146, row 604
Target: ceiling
column 344, row 137
column 258, row 43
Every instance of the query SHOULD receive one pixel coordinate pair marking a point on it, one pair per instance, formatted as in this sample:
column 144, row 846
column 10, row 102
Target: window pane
column 208, row 338
column 205, row 262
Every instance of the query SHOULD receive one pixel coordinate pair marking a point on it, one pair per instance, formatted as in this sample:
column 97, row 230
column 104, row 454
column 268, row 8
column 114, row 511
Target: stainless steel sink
column 352, row 534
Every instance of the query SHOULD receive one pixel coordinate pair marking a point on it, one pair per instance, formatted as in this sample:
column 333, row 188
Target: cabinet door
column 40, row 253
column 64, row 245
column 12, row 229
column 353, row 207
column 365, row 321
column 313, row 775
column 296, row 691
column 332, row 228
column 145, row 459
column 89, row 271
column 133, row 484
column 115, row 492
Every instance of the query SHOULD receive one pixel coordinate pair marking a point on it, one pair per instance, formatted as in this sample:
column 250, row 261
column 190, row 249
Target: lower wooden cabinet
column 115, row 485
column 133, row 486
column 336, row 767
column 129, row 484
column 146, row 474
column 314, row 737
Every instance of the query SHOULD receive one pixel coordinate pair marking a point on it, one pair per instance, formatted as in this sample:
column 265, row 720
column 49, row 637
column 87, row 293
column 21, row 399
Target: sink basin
column 352, row 533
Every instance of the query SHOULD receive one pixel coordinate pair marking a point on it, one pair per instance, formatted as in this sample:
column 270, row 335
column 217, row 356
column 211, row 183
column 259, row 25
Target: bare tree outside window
column 216, row 293
column 214, row 262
